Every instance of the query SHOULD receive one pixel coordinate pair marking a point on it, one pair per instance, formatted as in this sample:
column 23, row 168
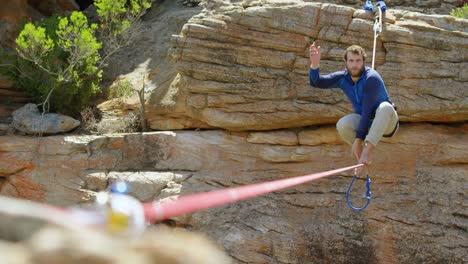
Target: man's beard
column 355, row 73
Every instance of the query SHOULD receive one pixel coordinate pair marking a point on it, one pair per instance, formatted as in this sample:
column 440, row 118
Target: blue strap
column 368, row 194
column 368, row 6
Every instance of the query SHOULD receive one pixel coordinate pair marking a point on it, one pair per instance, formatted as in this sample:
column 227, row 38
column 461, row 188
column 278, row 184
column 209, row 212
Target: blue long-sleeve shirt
column 365, row 95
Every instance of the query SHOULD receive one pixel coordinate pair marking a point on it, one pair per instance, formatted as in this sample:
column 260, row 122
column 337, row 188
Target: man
column 375, row 116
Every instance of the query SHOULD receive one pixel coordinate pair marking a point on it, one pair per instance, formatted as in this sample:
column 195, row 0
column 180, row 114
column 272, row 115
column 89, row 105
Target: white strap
column 377, row 31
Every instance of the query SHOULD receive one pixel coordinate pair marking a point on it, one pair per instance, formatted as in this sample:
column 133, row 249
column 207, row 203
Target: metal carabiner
column 368, row 6
column 368, row 193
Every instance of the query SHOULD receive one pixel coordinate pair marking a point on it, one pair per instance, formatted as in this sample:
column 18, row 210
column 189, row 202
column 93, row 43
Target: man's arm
column 369, row 105
column 325, row 81
column 316, row 80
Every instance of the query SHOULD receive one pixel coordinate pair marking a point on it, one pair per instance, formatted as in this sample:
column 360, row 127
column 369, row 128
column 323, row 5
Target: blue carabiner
column 368, row 194
column 368, row 6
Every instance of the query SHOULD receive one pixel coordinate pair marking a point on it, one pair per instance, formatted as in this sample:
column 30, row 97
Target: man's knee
column 348, row 123
column 343, row 125
column 385, row 108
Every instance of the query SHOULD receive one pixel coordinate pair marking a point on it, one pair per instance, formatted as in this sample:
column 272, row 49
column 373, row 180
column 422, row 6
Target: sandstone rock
column 421, row 170
column 148, row 65
column 6, row 129
column 240, row 69
column 191, row 3
column 50, row 7
column 6, row 110
column 319, row 136
column 14, row 11
column 431, row 7
column 28, row 120
column 417, row 213
column 5, row 83
column 275, row 138
column 146, row 186
column 11, row 99
column 9, row 96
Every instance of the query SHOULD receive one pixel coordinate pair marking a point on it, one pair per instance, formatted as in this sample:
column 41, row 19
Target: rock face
column 27, row 119
column 417, row 214
column 11, row 98
column 245, row 67
column 13, row 11
column 434, row 7
column 242, row 66
column 146, row 59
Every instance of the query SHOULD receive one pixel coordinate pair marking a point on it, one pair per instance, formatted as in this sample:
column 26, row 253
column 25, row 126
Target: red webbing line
column 156, row 211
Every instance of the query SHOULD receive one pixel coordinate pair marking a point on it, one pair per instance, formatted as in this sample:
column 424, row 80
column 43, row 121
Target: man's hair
column 356, row 50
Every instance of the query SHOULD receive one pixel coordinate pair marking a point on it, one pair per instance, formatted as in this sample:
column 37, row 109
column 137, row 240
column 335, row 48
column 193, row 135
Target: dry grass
column 93, row 123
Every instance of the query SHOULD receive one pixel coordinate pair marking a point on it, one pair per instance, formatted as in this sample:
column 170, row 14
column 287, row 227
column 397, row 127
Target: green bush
column 59, row 62
column 461, row 12
column 118, row 22
column 61, row 59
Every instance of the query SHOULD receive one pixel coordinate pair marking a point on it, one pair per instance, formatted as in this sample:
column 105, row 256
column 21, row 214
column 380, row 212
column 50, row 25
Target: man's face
column 355, row 64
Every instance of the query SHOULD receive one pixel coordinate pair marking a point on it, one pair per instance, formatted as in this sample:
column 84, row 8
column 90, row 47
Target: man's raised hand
column 314, row 56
